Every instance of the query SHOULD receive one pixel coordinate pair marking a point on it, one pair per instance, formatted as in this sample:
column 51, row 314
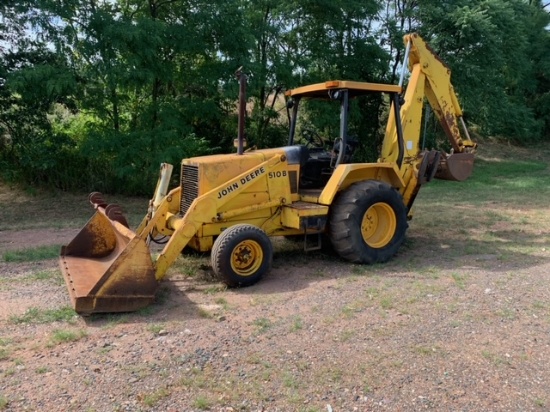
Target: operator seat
column 316, row 170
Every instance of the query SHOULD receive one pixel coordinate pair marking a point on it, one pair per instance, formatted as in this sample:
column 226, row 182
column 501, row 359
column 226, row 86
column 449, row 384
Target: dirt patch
column 458, row 320
column 22, row 239
column 427, row 331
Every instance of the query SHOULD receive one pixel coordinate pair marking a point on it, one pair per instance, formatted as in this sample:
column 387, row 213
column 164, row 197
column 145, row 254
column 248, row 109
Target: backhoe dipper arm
column 430, row 78
column 439, row 92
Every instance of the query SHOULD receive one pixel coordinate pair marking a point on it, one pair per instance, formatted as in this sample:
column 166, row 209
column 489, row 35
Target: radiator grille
column 189, row 186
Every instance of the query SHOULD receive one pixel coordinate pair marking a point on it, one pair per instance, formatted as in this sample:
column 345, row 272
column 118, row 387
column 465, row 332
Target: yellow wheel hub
column 378, row 225
column 247, row 257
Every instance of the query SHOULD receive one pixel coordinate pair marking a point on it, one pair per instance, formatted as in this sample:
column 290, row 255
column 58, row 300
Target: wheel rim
column 247, row 257
column 378, row 225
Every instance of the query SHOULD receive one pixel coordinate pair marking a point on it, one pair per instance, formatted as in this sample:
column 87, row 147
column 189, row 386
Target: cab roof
column 320, row 90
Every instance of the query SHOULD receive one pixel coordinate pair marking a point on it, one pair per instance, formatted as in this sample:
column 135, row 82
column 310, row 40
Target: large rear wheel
column 241, row 255
column 368, row 222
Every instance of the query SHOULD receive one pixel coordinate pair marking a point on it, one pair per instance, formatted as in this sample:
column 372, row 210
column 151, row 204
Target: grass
column 59, row 336
column 4, row 402
column 36, row 315
column 32, row 254
column 155, row 328
column 297, row 324
column 262, row 325
column 151, row 399
column 202, row 403
column 459, row 280
column 39, row 209
column 4, row 354
column 499, row 217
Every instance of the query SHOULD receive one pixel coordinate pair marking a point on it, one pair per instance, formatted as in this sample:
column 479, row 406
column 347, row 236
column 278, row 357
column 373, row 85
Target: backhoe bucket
column 107, row 268
column 456, row 166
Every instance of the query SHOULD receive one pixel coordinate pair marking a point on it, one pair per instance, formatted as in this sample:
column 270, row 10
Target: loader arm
column 206, row 209
column 430, row 79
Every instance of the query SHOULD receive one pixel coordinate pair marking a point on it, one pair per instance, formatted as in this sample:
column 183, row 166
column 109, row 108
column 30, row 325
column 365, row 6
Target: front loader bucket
column 456, row 166
column 107, row 268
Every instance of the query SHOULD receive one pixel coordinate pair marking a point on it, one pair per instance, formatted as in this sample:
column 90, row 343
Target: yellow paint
column 378, row 225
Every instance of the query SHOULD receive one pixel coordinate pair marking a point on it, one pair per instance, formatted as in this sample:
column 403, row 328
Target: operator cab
column 318, row 160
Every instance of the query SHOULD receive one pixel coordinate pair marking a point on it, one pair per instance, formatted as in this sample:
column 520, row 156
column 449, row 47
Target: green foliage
column 489, row 46
column 62, row 336
column 36, row 315
column 98, row 94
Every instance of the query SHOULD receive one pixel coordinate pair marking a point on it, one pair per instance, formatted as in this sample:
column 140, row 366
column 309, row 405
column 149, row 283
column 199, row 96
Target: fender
column 347, row 174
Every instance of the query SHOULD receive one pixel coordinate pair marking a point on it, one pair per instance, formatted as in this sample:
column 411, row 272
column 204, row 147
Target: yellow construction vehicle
column 231, row 204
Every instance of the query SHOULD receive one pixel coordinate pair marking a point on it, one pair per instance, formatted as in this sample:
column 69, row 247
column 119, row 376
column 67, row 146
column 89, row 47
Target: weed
column 139, row 371
column 386, row 302
column 348, row 311
column 36, row 315
column 205, row 314
column 155, row 328
column 507, row 313
column 540, row 402
column 494, row 358
column 4, row 351
column 372, row 293
column 290, row 381
column 297, row 324
column 189, row 266
column 3, row 402
column 62, row 335
column 46, row 275
column 262, row 325
column 115, row 319
column 32, row 254
column 430, row 272
column 424, row 350
column 346, row 335
column 42, row 369
column 146, row 311
column 455, row 323
column 459, row 280
column 213, row 289
column 196, row 379
column 336, row 375
column 357, row 269
column 202, row 403
column 223, row 303
column 152, row 398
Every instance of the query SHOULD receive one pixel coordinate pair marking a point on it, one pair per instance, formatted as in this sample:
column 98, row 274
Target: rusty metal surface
column 428, row 166
column 107, row 268
column 457, row 167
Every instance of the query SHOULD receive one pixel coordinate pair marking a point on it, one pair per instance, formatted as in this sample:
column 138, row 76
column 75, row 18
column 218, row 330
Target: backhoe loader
column 232, row 204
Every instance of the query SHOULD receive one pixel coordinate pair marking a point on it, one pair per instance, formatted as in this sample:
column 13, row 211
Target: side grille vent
column 189, row 186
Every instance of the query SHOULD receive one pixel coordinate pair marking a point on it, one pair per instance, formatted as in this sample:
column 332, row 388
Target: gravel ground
column 430, row 330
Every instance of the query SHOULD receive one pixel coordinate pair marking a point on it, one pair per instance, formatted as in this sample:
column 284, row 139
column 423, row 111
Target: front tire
column 368, row 222
column 241, row 255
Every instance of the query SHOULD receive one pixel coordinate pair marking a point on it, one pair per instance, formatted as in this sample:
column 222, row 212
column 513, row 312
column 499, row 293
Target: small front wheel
column 241, row 255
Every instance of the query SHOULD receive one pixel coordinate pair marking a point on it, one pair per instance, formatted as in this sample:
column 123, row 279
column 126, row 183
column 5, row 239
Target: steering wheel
column 313, row 138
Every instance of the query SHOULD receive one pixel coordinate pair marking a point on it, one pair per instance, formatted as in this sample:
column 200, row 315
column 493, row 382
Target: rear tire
column 368, row 222
column 241, row 255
